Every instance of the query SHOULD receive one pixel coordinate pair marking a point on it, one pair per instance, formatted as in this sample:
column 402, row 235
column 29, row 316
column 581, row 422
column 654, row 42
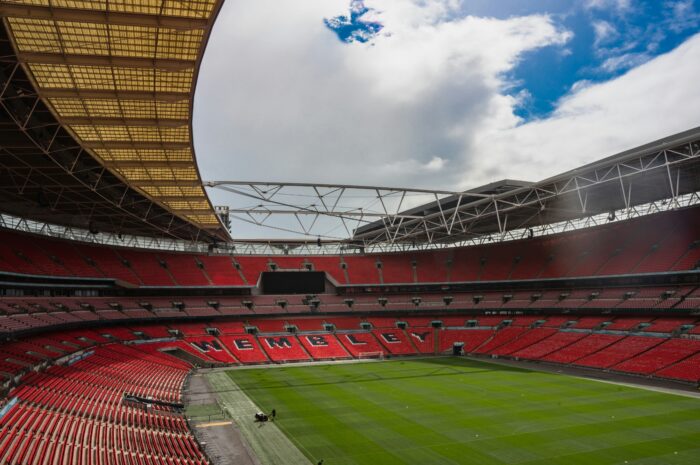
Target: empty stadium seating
column 394, row 341
column 245, row 348
column 585, row 346
column 358, row 343
column 323, row 347
column 660, row 242
column 524, row 340
column 77, row 414
column 472, row 338
column 659, row 356
column 547, row 345
column 622, row 350
column 284, row 348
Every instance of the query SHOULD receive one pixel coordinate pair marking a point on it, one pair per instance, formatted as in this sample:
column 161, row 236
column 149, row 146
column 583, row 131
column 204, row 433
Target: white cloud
column 604, row 32
column 624, row 62
column 682, row 15
column 596, row 120
column 279, row 98
column 435, row 164
column 617, row 5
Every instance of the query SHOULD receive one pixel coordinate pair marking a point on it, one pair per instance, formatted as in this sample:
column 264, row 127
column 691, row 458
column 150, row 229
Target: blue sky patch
column 610, row 37
column 354, row 28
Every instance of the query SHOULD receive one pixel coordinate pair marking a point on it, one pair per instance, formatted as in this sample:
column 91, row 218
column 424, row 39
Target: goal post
column 379, row 355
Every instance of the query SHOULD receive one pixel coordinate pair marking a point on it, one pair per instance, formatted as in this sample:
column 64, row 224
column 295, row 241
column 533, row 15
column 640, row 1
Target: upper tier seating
column 147, row 266
column 252, row 267
column 397, row 268
column 186, row 272
column 654, row 243
column 221, row 270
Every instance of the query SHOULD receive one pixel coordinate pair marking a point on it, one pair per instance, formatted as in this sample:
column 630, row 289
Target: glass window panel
column 29, row 2
column 113, row 133
column 138, row 109
column 185, row 174
column 52, row 76
column 103, row 108
column 203, row 219
column 133, row 41
column 33, row 35
column 84, row 38
column 85, row 132
column 92, row 77
column 183, row 8
column 68, row 106
column 183, row 45
column 81, row 4
column 177, row 110
column 178, row 81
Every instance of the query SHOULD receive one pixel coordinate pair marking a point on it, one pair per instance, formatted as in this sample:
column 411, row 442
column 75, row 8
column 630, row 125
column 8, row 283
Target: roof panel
column 187, row 9
column 145, row 155
column 106, row 77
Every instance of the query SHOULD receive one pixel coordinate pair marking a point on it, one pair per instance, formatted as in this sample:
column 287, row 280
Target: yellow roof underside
column 124, row 87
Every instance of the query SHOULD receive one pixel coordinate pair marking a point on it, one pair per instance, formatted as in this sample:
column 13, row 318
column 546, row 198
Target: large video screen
column 293, row 282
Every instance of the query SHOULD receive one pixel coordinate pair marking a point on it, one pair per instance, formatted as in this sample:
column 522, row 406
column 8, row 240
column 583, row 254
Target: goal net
column 365, row 355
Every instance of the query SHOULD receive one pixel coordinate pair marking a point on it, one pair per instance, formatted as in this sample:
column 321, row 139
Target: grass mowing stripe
column 353, row 439
column 467, row 412
column 385, row 413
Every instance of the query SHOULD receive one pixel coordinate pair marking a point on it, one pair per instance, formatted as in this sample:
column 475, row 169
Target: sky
column 439, row 94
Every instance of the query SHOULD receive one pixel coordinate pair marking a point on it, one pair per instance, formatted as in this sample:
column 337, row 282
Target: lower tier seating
column 359, row 343
column 284, row 348
column 589, row 344
column 76, row 414
column 324, row 347
column 226, row 342
column 394, row 341
column 622, row 350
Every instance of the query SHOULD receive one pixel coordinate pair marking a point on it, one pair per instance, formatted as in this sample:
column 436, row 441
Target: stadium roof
column 118, row 78
column 662, row 170
column 95, row 120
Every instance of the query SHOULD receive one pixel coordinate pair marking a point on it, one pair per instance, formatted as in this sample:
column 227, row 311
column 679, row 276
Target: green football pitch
column 457, row 411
